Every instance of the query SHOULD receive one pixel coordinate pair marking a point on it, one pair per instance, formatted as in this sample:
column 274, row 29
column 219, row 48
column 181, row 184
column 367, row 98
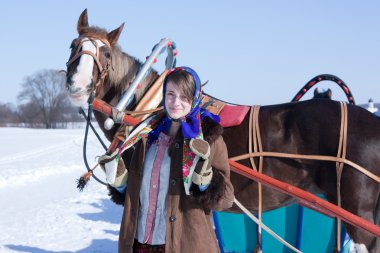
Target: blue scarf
column 191, row 123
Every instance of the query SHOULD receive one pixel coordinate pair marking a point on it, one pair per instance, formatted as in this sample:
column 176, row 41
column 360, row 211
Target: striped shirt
column 151, row 224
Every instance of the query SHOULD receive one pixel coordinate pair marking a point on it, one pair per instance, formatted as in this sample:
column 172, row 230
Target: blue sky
column 252, row 52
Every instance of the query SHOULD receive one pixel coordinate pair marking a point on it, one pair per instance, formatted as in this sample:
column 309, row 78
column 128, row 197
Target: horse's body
column 309, row 127
column 312, row 128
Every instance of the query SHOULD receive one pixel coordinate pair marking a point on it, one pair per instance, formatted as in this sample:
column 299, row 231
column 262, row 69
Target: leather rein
column 103, row 72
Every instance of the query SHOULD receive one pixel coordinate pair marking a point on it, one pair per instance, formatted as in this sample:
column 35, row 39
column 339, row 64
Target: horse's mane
column 124, row 67
column 94, row 31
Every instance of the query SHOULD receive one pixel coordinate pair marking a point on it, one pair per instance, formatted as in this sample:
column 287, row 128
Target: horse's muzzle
column 75, row 91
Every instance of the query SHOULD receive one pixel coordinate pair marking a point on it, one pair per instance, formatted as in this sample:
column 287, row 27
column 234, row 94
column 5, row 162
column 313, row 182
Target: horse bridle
column 103, row 71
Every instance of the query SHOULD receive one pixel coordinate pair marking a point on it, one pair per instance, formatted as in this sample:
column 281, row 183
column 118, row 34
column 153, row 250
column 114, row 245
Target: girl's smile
column 176, row 103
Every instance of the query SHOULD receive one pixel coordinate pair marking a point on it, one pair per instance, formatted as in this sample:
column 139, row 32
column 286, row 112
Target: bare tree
column 43, row 98
column 8, row 114
column 30, row 115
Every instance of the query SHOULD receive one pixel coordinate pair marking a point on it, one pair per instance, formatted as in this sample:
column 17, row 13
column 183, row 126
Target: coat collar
column 211, row 131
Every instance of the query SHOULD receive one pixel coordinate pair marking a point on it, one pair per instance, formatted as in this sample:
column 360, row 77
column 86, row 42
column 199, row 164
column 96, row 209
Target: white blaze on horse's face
column 82, row 80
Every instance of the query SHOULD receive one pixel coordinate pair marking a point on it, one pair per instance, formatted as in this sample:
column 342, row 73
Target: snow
column 41, row 209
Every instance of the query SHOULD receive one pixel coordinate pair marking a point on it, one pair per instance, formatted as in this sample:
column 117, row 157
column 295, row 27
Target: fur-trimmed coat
column 189, row 225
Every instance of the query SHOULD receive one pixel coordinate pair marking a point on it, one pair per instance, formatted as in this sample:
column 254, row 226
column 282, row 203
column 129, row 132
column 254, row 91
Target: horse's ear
column 113, row 36
column 316, row 91
column 329, row 93
column 82, row 21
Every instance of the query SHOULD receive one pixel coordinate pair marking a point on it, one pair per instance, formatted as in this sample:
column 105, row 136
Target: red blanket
column 232, row 115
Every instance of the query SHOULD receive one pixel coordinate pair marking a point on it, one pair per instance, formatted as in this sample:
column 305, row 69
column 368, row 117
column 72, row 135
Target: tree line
column 42, row 103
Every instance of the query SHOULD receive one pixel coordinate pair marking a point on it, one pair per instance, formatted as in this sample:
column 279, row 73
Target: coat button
column 172, row 218
column 173, row 182
column 176, row 145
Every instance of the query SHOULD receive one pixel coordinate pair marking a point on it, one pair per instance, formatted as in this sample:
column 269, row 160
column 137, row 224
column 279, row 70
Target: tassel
column 82, row 181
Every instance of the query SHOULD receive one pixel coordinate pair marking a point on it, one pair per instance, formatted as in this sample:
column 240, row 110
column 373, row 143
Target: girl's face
column 176, row 103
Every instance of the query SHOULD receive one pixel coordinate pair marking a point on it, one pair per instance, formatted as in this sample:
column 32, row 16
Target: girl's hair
column 184, row 81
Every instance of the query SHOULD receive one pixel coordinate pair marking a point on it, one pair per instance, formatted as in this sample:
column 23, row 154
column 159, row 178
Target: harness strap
column 261, row 160
column 254, row 133
column 251, row 136
column 102, row 71
column 95, row 56
column 309, row 157
column 342, row 148
column 340, row 160
column 76, row 56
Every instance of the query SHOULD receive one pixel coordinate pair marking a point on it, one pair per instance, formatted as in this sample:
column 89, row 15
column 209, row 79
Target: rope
column 254, row 120
column 272, row 233
column 117, row 115
column 260, row 186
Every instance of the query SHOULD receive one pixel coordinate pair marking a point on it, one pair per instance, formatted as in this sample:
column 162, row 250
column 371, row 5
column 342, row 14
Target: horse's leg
column 360, row 196
column 377, row 220
column 358, row 248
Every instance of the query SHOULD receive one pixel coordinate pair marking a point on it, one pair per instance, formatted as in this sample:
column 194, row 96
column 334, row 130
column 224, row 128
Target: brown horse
column 310, row 127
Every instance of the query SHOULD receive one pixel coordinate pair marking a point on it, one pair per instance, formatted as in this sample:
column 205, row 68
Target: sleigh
column 319, row 145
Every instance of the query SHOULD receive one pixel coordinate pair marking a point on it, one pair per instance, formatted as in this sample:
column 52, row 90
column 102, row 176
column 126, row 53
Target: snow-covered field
column 41, row 209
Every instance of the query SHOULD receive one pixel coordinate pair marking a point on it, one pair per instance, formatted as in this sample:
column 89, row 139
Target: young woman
column 175, row 176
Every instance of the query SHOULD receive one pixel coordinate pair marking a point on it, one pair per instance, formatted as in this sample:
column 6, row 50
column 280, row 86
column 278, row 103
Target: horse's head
column 90, row 59
column 324, row 94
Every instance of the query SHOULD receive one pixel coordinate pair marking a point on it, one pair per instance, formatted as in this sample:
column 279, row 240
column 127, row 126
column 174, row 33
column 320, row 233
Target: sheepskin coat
column 189, row 226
